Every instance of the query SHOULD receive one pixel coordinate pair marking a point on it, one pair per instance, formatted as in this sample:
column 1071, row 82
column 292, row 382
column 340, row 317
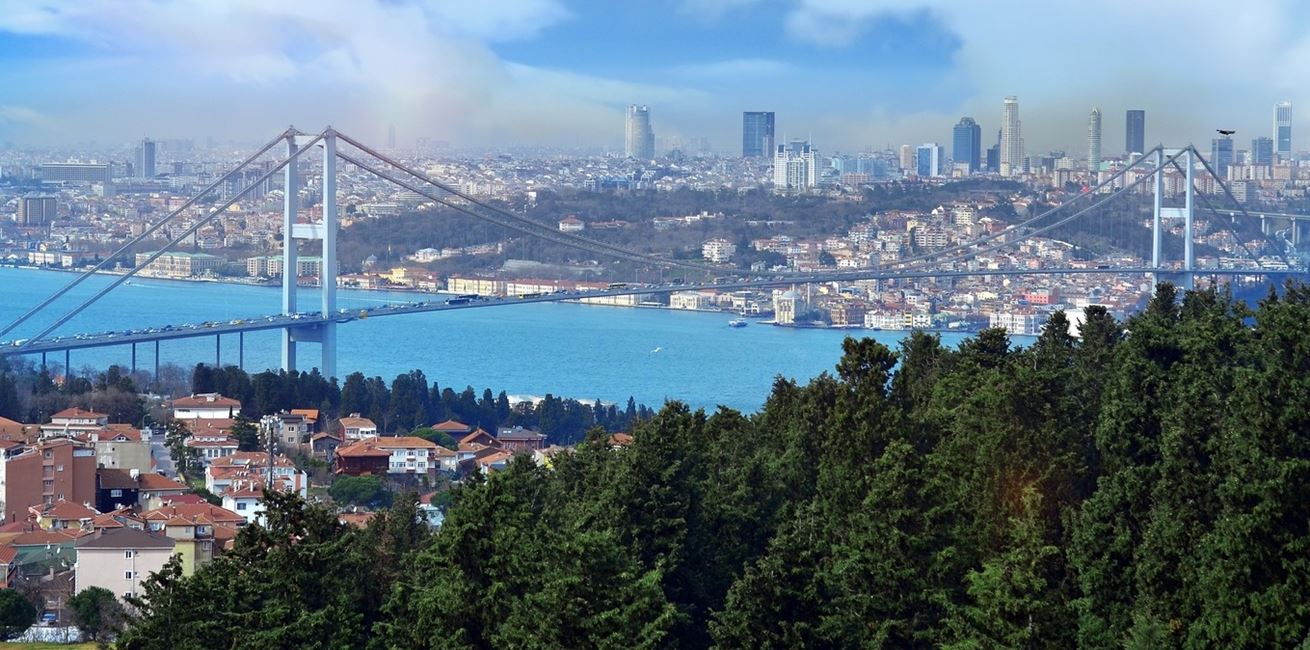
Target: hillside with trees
column 1144, row 486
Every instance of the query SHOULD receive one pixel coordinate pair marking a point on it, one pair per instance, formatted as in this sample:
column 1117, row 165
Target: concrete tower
column 639, row 139
column 1094, row 141
column 1011, row 138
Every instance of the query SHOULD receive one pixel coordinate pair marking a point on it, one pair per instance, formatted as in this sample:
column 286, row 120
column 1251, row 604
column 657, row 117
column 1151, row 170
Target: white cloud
column 733, row 69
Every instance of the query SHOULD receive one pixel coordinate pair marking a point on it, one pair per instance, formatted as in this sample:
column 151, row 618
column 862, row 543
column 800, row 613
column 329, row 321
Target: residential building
column 1023, row 323
column 794, row 168
column 246, row 467
column 288, row 429
column 518, row 438
column 718, row 250
column 270, row 266
column 572, row 224
column 58, row 468
column 354, row 427
column 74, row 421
column 121, row 446
column 120, row 559
column 639, row 138
column 756, row 134
column 1011, row 163
column 206, row 406
column 966, row 140
column 1135, row 131
column 36, row 210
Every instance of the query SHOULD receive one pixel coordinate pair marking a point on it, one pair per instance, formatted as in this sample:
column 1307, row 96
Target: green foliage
column 96, row 612
column 16, row 614
column 1144, row 486
column 367, row 491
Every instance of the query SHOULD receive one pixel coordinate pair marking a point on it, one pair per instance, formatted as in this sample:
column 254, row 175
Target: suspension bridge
column 317, row 323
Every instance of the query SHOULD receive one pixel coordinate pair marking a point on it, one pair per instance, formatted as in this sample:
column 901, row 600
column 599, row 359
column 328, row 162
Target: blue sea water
column 582, row 351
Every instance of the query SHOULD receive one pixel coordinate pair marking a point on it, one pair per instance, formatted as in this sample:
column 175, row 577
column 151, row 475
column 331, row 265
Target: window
column 241, row 505
column 59, row 468
column 128, row 594
column 127, row 554
column 115, row 493
column 127, row 575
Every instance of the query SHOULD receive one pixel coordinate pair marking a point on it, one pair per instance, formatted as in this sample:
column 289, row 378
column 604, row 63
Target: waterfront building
column 757, row 134
column 180, row 264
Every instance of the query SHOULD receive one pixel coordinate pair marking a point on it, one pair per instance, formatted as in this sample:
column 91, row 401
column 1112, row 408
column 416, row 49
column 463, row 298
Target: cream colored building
column 119, row 559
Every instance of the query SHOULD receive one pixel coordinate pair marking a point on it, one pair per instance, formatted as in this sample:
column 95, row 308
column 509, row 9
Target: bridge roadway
column 308, row 321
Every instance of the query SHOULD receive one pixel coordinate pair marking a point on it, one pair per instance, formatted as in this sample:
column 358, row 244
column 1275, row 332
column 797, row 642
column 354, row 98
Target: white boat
column 737, row 322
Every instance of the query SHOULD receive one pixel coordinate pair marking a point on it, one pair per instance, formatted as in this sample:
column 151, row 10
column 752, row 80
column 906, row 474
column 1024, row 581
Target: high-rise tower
column 1135, row 131
column 1221, row 155
column 1094, row 141
column 639, row 139
column 966, row 143
column 1011, row 138
column 756, row 134
column 145, row 159
column 1283, row 130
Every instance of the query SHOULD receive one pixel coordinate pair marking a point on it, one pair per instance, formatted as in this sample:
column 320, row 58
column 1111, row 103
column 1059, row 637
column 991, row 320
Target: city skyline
column 859, row 75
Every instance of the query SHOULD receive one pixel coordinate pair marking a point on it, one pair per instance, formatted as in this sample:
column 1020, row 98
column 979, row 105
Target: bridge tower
column 1186, row 213
column 325, row 331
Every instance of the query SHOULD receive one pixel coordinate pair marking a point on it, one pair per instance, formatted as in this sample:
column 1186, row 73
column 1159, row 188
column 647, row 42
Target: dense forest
column 1145, row 486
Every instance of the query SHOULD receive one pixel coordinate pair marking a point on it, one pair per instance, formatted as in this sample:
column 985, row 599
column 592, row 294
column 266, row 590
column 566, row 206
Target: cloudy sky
column 852, row 74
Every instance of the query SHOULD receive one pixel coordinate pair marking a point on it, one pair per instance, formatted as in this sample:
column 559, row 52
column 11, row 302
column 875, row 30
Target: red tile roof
column 451, row 425
column 206, row 400
column 78, row 413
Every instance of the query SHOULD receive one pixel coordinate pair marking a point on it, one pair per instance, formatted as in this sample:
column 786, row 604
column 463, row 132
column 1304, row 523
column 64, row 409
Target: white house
column 206, row 406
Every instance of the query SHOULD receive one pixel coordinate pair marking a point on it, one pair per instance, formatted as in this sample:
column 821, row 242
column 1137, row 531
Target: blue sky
column 853, row 74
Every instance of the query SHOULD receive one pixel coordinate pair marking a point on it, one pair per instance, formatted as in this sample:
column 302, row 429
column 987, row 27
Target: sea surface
column 586, row 352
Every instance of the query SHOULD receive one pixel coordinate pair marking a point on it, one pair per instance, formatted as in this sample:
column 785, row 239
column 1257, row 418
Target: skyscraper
column 795, row 168
column 145, row 159
column 928, row 159
column 1011, row 138
column 907, row 158
column 966, row 143
column 756, row 134
column 1283, row 130
column 1094, row 141
column 639, row 139
column 1262, row 151
column 1221, row 155
column 1135, row 131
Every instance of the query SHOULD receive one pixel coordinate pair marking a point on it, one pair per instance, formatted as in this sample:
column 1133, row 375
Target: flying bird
column 1226, row 131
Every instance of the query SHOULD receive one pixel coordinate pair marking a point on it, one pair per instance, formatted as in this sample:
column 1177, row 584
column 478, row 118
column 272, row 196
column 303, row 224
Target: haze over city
column 851, row 75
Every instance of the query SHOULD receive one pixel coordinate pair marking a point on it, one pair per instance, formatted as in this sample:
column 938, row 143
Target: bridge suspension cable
column 175, row 241
column 1035, row 232
column 139, row 238
column 1023, row 224
column 526, row 225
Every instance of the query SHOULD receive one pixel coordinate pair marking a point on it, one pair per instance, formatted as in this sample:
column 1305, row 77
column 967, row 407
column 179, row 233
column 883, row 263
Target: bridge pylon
column 1186, row 213
column 324, row 332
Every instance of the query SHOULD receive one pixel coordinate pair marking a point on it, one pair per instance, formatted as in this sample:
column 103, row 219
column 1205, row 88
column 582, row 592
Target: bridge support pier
column 156, row 362
column 1157, row 232
column 218, row 351
column 67, row 364
column 328, row 269
column 134, row 358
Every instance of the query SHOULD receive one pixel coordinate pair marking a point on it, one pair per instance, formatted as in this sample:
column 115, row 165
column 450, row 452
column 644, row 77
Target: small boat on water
column 737, row 322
